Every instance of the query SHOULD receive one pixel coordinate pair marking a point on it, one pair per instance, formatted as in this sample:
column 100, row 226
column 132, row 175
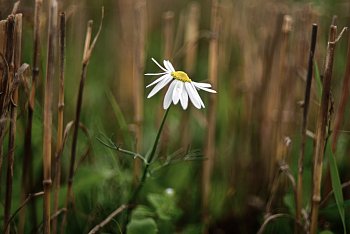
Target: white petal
column 159, row 65
column 203, row 88
column 177, row 91
column 191, row 94
column 159, row 86
column 158, row 80
column 169, row 66
column 203, row 85
column 155, row 74
column 168, row 95
column 197, row 96
column 184, row 99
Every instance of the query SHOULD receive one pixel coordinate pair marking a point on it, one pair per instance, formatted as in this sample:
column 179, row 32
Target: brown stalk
column 58, row 153
column 13, row 56
column 50, row 73
column 108, row 219
column 209, row 151
column 190, row 42
column 343, row 100
column 138, row 68
column 27, row 168
column 88, row 48
column 321, row 126
column 24, row 203
column 168, row 34
column 168, row 46
column 10, row 34
column 299, row 197
column 3, row 74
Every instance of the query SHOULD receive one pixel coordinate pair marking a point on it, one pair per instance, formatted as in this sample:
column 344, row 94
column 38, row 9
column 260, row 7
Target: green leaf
column 141, row 212
column 145, row 226
column 326, row 232
column 337, row 188
column 164, row 205
column 318, row 81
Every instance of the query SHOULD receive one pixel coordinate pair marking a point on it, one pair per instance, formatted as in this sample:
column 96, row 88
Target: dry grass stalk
column 24, row 203
column 278, row 85
column 299, row 197
column 50, row 73
column 58, row 153
column 168, row 47
column 13, row 56
column 27, row 169
column 88, row 48
column 261, row 128
column 3, row 79
column 321, row 132
column 108, row 219
column 191, row 37
column 7, row 77
column 138, row 68
column 190, row 42
column 168, row 34
column 343, row 100
column 210, row 134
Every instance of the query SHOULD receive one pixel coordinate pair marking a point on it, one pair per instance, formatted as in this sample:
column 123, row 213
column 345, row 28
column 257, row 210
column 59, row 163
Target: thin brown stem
column 299, row 196
column 13, row 54
column 21, row 207
column 168, row 34
column 88, row 48
column 211, row 128
column 191, row 47
column 343, row 100
column 321, row 128
column 57, row 180
column 139, row 63
column 108, row 219
column 27, row 167
column 50, row 72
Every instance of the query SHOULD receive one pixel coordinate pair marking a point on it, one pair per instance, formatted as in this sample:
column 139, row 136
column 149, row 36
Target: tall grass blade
column 120, row 119
column 318, row 81
column 337, row 187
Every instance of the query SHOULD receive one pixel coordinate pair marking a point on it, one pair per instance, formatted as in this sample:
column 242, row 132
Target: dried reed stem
column 58, row 153
column 210, row 134
column 108, row 219
column 138, row 68
column 3, row 74
column 50, row 72
column 10, row 34
column 343, row 100
column 88, row 48
column 191, row 36
column 321, row 127
column 168, row 34
column 299, row 197
column 27, row 167
column 24, row 203
column 13, row 56
column 190, row 42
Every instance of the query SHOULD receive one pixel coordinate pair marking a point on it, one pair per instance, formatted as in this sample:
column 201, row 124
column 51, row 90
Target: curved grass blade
column 337, row 188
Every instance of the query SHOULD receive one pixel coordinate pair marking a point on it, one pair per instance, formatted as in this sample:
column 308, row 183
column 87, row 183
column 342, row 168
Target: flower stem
column 148, row 161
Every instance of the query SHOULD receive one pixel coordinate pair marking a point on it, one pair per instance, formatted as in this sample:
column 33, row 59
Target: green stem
column 149, row 159
column 148, row 162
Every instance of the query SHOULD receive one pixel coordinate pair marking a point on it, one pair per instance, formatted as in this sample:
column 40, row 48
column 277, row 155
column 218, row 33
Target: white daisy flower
column 180, row 88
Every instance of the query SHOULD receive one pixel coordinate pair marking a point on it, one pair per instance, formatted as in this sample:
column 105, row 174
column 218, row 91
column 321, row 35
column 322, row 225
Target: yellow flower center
column 181, row 76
